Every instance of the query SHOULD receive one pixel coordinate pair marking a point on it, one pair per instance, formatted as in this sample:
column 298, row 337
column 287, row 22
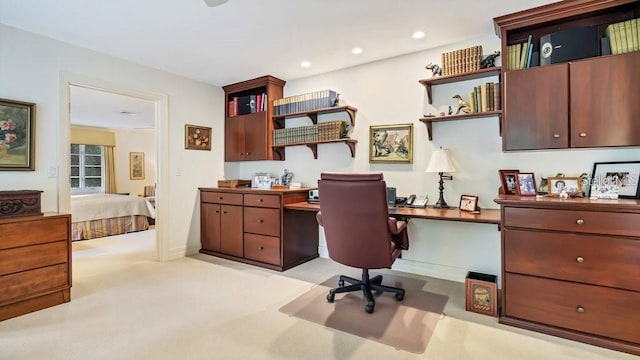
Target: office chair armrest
column 398, row 230
column 395, row 226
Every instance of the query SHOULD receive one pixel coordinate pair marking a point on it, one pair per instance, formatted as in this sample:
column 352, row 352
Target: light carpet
column 406, row 325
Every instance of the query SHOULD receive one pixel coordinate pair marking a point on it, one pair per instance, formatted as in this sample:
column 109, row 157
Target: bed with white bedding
column 98, row 215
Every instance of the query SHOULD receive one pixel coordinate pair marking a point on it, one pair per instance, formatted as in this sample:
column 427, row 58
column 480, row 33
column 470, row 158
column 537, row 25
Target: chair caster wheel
column 369, row 308
column 331, row 297
column 340, row 283
column 399, row 296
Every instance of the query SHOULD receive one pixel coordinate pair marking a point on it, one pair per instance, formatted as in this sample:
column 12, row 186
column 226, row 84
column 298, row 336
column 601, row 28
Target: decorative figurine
column 462, row 105
column 450, row 110
column 489, row 61
column 435, row 69
column 286, row 178
column 429, row 115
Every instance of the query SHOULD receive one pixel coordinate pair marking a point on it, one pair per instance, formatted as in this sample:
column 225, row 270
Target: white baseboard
column 183, row 251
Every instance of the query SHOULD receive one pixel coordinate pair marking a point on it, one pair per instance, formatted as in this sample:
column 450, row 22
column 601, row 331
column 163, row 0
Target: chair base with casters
column 366, row 285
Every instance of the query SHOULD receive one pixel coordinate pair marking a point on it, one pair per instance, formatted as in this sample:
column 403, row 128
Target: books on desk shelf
column 305, row 102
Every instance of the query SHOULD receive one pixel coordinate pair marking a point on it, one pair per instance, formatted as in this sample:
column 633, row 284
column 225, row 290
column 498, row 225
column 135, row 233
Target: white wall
column 388, row 92
column 134, row 141
column 33, row 68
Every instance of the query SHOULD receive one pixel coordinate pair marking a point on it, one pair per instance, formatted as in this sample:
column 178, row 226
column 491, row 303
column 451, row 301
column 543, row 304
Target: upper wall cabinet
column 571, row 101
column 248, row 127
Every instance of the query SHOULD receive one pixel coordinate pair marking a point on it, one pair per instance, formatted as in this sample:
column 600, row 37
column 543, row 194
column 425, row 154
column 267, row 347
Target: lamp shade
column 439, row 162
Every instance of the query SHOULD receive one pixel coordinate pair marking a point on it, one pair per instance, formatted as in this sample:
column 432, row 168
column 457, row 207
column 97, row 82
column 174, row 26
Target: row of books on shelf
column 519, row 56
column 485, row 97
column 241, row 105
column 623, row 36
column 462, row 60
column 305, row 102
column 330, row 130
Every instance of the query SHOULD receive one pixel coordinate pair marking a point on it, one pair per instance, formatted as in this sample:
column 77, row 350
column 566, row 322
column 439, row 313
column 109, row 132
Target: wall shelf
column 313, row 114
column 487, row 72
column 428, row 121
column 351, row 143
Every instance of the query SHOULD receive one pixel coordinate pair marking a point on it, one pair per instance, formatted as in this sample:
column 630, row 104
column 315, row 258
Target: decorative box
column 234, row 183
column 482, row 293
column 20, row 203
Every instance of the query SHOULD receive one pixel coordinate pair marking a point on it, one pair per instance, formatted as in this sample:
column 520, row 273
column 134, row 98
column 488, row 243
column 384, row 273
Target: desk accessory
column 439, row 163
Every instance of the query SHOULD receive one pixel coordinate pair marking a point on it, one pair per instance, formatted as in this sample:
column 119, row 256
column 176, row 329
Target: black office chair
column 359, row 231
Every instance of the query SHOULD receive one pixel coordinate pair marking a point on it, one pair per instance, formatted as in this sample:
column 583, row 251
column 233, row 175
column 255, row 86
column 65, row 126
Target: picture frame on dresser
column 570, row 185
column 526, row 184
column 621, row 175
column 508, row 181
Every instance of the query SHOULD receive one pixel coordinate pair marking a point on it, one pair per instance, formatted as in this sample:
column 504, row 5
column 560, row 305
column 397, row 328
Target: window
column 87, row 169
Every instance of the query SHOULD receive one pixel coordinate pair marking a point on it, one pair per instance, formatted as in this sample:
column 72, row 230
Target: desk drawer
column 45, row 230
column 262, row 248
column 220, row 198
column 593, row 309
column 260, row 200
column 32, row 257
column 262, row 221
column 595, row 222
column 32, row 281
column 602, row 260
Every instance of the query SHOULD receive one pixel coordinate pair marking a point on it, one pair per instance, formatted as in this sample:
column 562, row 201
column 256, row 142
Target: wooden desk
column 486, row 216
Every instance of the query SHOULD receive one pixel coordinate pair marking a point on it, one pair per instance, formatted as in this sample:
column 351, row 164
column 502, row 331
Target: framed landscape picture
column 391, row 143
column 17, row 135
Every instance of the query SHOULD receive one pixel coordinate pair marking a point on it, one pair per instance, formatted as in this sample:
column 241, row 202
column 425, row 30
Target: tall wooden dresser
column 571, row 268
column 35, row 263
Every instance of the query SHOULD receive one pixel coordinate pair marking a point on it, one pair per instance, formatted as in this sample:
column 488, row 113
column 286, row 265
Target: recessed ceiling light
column 214, row 3
column 128, row 112
column 418, row 35
column 356, row 50
column 305, row 64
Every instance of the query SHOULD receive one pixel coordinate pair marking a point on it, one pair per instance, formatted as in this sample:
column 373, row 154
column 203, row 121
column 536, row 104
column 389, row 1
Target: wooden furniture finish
column 35, row 263
column 591, row 97
column 261, row 233
column 570, row 268
column 249, row 137
column 472, row 75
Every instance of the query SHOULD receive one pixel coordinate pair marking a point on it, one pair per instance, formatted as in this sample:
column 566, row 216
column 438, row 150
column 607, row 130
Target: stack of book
column 331, row 130
column 623, row 36
column 461, row 61
column 519, row 55
column 485, row 97
column 247, row 104
column 305, row 102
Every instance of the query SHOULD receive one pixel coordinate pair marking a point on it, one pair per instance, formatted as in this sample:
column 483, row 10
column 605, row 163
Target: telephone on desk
column 412, row 201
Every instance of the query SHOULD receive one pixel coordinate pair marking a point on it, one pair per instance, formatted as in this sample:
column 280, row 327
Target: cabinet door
column 255, row 132
column 210, row 226
column 604, row 101
column 231, row 230
column 234, row 139
column 536, row 112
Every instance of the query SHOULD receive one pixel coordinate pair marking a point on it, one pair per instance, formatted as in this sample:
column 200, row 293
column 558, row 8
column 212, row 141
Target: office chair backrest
column 355, row 217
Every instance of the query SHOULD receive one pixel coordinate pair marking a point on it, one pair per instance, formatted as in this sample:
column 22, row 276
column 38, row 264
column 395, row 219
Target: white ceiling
column 90, row 107
column 243, row 39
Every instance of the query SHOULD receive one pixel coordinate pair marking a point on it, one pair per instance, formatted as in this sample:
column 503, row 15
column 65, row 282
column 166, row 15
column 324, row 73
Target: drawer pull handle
column 217, row 211
column 220, row 197
column 579, row 221
column 260, row 247
column 224, row 212
column 260, row 221
column 580, row 259
column 583, row 134
column 260, row 200
column 580, row 309
column 556, row 136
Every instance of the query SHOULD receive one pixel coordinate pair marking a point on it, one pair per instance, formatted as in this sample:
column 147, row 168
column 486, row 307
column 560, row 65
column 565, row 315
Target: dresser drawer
column 593, row 309
column 262, row 221
column 593, row 259
column 46, row 229
column 595, row 222
column 262, row 248
column 220, row 198
column 269, row 201
column 32, row 281
column 32, row 257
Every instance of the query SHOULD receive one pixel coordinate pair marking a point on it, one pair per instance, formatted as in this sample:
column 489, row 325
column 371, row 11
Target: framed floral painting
column 17, row 135
column 197, row 137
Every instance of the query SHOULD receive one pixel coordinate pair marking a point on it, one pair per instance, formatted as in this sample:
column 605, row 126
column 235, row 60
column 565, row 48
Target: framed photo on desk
column 469, row 203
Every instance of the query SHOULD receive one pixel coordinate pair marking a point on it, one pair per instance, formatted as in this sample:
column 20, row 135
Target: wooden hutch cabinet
column 248, row 136
column 577, row 104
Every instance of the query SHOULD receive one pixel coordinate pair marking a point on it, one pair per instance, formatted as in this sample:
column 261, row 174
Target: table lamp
column 439, row 163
